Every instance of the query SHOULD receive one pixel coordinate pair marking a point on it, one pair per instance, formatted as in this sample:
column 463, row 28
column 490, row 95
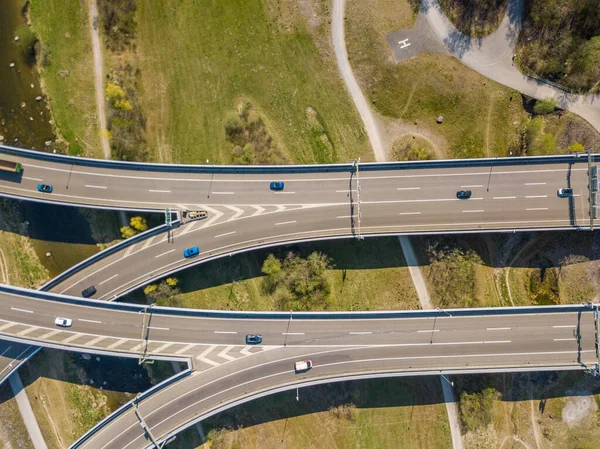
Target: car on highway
column 45, row 188
column 304, row 365
column 277, row 185
column 565, row 193
column 191, row 252
column 63, row 322
column 90, row 291
column 463, row 194
column 252, row 339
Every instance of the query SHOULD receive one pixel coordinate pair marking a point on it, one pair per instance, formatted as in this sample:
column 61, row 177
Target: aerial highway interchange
column 244, row 213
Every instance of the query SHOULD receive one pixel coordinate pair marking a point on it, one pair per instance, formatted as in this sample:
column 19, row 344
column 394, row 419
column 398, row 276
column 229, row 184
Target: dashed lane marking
column 167, row 252
column 109, row 279
column 21, row 310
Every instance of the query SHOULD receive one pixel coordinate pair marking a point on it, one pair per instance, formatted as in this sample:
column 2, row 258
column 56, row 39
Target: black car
column 565, row 193
column 253, row 339
column 463, row 194
column 90, row 291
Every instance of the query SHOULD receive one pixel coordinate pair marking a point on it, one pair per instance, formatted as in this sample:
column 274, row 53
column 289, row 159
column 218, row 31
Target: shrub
column 544, row 107
column 138, row 223
column 162, row 293
column 476, row 408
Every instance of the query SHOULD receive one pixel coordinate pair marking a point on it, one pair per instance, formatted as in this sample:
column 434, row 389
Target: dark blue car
column 191, row 252
column 277, row 185
column 45, row 188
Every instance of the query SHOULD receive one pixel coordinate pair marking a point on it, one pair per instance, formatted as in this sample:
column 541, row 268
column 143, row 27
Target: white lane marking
column 90, row 321
column 224, row 354
column 95, row 187
column 473, row 186
column 537, row 208
column 565, row 339
column 473, row 210
column 285, row 222
column 498, row 329
column 128, row 252
column 360, row 333
column 505, row 197
column 429, row 330
column 259, row 210
column 223, row 235
column 225, row 332
column 27, row 331
column 94, row 341
column 71, row 338
column 5, row 351
column 408, row 188
column 184, row 349
column 564, row 325
column 246, row 350
column 537, row 196
column 284, row 193
column 106, row 280
column 49, row 334
column 409, row 213
column 345, row 191
column 535, row 183
column 433, row 200
column 292, row 333
column 496, row 341
column 117, row 343
column 347, row 216
column 148, row 242
column 160, row 255
column 163, row 347
column 237, row 212
column 202, row 357
column 221, row 193
column 21, row 310
column 7, row 325
column 159, row 328
column 33, row 179
column 159, row 191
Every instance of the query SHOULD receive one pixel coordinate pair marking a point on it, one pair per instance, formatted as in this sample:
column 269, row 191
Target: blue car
column 277, row 185
column 191, row 252
column 45, row 188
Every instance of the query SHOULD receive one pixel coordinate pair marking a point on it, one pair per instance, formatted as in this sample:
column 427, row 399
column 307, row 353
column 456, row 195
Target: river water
column 25, row 122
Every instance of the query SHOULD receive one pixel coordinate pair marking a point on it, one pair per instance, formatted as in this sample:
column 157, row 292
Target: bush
column 163, row 292
column 298, row 283
column 544, row 107
column 476, row 408
column 136, row 225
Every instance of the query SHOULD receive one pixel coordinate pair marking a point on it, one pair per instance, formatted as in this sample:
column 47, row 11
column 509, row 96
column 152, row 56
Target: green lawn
column 201, row 59
column 67, row 77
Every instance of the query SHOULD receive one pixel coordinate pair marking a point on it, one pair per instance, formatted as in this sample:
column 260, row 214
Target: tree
column 476, row 408
column 544, row 107
column 576, row 147
column 163, row 292
column 127, row 232
column 138, row 223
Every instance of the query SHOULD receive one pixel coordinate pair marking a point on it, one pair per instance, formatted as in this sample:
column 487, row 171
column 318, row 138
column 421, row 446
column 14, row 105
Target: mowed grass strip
column 63, row 29
column 200, row 59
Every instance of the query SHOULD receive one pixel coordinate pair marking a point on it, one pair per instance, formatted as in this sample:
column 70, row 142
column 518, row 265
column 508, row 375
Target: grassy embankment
column 560, row 41
column 476, row 18
column 481, row 117
column 275, row 55
column 66, row 68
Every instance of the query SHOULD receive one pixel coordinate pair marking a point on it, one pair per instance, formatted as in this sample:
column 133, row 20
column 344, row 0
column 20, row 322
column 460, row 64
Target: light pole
column 297, row 394
column 446, row 379
column 441, row 310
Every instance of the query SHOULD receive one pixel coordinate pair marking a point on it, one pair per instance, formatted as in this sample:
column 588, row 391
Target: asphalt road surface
column 249, row 215
column 227, row 370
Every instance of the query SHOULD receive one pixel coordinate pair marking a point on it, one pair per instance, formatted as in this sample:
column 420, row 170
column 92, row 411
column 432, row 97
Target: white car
column 304, row 365
column 63, row 322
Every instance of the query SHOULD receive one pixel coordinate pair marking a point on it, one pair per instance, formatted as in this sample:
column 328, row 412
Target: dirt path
column 341, row 56
column 98, row 77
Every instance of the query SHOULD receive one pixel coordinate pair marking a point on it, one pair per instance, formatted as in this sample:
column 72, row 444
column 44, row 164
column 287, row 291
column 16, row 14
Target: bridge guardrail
column 107, row 252
column 127, row 406
column 275, row 169
column 200, row 313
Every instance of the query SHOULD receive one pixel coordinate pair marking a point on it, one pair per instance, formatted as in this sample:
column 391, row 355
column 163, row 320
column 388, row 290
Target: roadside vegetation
column 335, row 275
column 542, row 409
column 560, row 41
column 480, row 117
column 388, row 413
column 274, row 56
column 475, row 18
column 64, row 59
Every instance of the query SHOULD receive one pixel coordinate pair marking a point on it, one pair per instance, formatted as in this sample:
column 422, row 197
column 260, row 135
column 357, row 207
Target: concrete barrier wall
column 282, row 169
column 107, row 252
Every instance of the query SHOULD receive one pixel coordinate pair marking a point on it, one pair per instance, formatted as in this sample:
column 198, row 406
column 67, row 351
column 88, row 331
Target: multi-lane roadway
column 228, row 371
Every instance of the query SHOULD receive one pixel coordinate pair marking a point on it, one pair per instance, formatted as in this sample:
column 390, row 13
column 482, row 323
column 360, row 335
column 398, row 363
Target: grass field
column 201, row 59
column 62, row 28
column 481, row 117
column 389, row 413
column 369, row 275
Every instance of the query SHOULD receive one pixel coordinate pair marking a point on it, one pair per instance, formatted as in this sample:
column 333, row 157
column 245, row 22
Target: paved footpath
column 490, row 56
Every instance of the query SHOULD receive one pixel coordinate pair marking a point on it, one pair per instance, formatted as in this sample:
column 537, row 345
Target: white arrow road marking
column 224, row 352
column 202, row 357
column 237, row 211
column 259, row 210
